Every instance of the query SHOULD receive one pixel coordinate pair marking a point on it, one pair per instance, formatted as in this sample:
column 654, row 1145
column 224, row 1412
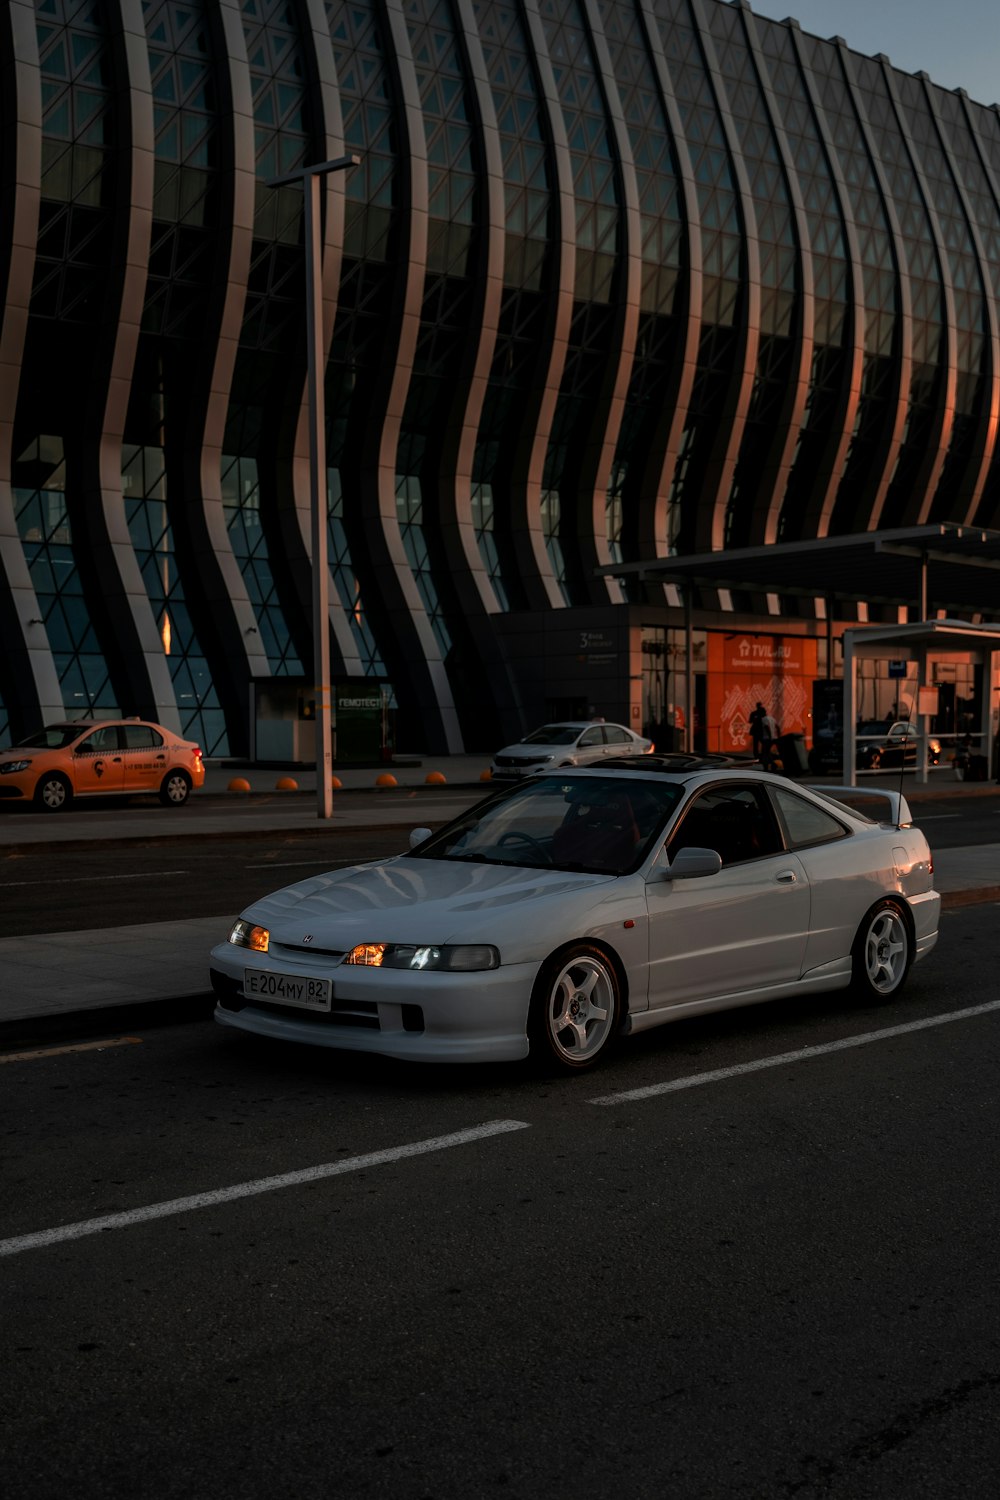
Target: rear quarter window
column 804, row 822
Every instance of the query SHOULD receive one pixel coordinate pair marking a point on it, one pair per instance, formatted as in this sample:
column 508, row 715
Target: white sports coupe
column 577, row 905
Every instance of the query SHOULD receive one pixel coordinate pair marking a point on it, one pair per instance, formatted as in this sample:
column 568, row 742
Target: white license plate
column 288, row 989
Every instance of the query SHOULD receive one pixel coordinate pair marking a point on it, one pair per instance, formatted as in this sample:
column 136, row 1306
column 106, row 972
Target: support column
column 689, row 670
column 850, row 710
column 988, row 713
column 923, row 720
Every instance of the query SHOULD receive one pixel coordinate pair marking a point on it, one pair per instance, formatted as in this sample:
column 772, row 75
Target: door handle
column 786, row 877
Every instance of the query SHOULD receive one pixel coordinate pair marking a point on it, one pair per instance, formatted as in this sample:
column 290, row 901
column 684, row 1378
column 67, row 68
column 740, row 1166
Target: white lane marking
column 132, row 1216
column 720, row 1074
column 119, row 1041
column 931, row 817
column 89, row 879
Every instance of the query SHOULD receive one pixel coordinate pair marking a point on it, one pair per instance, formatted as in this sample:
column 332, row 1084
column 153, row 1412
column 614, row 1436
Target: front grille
column 360, row 1014
column 304, row 950
column 517, row 762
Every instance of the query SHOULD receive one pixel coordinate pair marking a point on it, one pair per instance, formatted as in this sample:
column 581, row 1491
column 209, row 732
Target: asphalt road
column 46, row 888
column 778, row 1282
column 69, row 887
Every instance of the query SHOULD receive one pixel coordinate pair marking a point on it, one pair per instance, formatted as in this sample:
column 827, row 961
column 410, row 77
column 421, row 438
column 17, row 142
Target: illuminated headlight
column 10, row 766
column 461, row 958
column 246, row 935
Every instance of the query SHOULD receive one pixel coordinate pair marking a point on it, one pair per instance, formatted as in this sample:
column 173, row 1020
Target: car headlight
column 10, row 766
column 463, row 958
column 248, row 935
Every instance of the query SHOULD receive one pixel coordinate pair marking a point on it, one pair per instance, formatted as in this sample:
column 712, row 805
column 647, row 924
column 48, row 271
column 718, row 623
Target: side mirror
column 418, row 836
column 689, row 864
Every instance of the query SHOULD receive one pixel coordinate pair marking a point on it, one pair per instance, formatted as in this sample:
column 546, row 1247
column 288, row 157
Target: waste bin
column 792, row 749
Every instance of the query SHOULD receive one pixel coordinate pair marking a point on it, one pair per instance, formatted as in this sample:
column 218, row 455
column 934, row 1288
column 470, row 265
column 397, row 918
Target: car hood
column 406, row 900
column 534, row 751
column 14, row 754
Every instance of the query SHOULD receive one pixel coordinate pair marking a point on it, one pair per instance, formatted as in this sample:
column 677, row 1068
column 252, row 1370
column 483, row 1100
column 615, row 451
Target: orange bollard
column 336, row 783
column 486, row 775
column 286, row 784
column 434, row 778
column 238, row 784
column 386, row 780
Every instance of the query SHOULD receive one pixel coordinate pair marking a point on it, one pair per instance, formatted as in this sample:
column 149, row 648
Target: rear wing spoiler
column 899, row 809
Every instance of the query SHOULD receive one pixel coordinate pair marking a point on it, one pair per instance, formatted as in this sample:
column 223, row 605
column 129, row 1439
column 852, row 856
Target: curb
column 78, row 846
column 975, row 896
column 106, row 1020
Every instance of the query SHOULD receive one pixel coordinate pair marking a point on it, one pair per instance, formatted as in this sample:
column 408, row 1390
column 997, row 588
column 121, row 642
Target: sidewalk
column 113, row 977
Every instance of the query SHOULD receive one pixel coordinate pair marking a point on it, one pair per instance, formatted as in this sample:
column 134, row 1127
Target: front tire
column 576, row 1008
column 53, row 793
column 176, row 789
column 883, row 952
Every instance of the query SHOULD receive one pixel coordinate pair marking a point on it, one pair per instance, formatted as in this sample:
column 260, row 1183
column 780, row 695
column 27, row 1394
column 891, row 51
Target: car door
column 617, row 741
column 97, row 763
column 743, row 929
column 838, row 868
column 145, row 758
column 590, row 746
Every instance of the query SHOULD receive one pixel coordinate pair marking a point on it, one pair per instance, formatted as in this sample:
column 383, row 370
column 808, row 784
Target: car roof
column 679, row 767
column 704, row 773
column 569, row 724
column 82, row 724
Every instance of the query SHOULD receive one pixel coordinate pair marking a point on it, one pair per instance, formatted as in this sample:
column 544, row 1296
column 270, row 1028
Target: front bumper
column 415, row 1016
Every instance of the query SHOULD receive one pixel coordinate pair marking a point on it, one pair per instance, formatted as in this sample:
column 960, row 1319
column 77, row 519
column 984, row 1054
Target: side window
column 736, row 821
column 615, row 736
column 101, row 742
column 141, row 737
column 591, row 737
column 806, row 823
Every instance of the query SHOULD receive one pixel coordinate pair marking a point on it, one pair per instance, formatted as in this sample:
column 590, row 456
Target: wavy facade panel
column 614, row 279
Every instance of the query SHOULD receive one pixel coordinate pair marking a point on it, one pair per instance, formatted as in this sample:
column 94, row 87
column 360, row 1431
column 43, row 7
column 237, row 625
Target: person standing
column 756, row 731
column 768, row 735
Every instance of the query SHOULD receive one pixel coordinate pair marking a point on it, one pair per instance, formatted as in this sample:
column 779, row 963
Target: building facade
column 612, row 280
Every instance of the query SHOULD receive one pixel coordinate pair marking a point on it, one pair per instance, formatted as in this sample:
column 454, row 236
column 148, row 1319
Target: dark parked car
column 877, row 746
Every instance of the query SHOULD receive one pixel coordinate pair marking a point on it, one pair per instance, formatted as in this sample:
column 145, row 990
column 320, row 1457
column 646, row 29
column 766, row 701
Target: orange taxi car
column 100, row 758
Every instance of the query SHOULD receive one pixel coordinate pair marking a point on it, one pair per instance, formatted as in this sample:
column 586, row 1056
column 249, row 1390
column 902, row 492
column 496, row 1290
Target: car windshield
column 600, row 825
column 55, row 737
column 553, row 734
column 875, row 728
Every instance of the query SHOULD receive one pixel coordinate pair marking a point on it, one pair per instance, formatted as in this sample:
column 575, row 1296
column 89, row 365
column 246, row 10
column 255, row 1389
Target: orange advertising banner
column 743, row 670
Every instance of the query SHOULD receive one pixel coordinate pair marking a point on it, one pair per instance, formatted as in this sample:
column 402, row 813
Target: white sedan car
column 571, row 742
column 581, row 904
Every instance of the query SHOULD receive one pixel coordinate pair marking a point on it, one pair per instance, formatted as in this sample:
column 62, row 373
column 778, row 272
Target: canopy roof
column 959, row 565
column 908, row 641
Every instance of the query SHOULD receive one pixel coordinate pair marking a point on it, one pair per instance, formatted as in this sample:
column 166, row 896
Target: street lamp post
column 309, row 177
